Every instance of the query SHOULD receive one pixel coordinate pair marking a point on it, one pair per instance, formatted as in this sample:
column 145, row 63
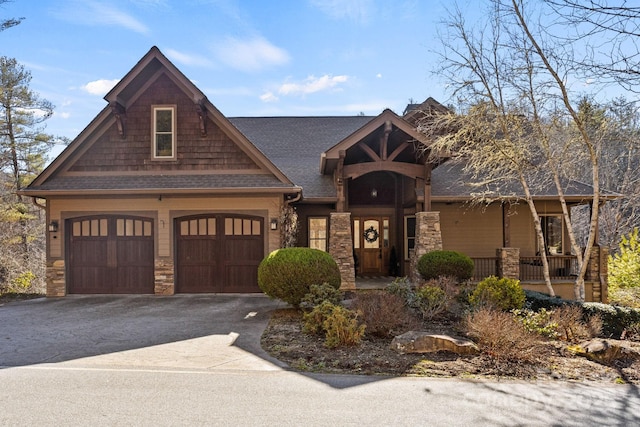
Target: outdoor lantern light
column 53, row 226
column 274, row 223
column 374, row 193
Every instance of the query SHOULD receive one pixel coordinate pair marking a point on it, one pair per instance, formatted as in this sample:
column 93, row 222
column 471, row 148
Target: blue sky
column 250, row 57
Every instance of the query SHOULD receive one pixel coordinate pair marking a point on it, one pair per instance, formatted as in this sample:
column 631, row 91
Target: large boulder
column 424, row 342
column 605, row 350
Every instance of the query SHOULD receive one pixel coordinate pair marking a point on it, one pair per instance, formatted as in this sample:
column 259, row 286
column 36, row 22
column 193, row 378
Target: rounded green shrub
column 435, row 264
column 287, row 274
column 504, row 294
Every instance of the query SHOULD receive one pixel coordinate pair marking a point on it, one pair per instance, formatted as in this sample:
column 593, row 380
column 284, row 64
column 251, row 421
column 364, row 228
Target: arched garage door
column 218, row 253
column 110, row 254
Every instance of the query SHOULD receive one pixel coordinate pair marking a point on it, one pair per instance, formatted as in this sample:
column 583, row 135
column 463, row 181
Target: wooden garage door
column 218, row 253
column 110, row 255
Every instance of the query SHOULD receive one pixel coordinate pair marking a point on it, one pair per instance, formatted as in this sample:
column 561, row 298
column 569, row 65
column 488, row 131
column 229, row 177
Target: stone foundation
column 341, row 248
column 428, row 238
column 56, row 281
column 164, row 277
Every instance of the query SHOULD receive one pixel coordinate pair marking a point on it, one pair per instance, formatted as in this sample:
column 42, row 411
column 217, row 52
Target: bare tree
column 9, row 22
column 533, row 126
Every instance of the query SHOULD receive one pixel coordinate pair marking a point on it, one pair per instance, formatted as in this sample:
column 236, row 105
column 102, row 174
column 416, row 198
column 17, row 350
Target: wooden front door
column 371, row 242
column 219, row 253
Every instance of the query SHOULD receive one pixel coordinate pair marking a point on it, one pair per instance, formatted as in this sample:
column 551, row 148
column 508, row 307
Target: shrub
column 538, row 322
column 342, row 328
column 445, row 263
column 431, row 301
column 340, row 325
column 628, row 297
column 571, row 325
column 313, row 321
column 624, row 267
column 499, row 335
column 503, row 294
column 384, row 314
column 401, row 287
column 615, row 319
column 537, row 300
column 287, row 274
column 320, row 293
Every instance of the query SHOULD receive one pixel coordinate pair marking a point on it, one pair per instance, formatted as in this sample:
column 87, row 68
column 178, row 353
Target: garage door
column 218, row 253
column 110, row 255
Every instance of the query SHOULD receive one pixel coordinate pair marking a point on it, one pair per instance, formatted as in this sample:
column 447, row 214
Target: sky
column 250, row 57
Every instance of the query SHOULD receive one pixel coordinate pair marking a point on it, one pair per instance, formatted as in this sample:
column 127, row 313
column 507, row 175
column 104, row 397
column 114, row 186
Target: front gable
column 120, row 141
column 386, row 143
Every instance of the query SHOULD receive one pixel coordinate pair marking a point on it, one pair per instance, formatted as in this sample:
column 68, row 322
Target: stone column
column 428, row 238
column 598, row 273
column 56, row 281
column 508, row 262
column 164, row 276
column 341, row 247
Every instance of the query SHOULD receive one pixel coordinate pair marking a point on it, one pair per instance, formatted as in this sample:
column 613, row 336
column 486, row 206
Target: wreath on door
column 370, row 234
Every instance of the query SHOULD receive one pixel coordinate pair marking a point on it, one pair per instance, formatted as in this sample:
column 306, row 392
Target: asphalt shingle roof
column 294, row 145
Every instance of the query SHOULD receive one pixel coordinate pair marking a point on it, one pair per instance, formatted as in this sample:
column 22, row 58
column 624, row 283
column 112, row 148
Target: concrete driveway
column 199, row 332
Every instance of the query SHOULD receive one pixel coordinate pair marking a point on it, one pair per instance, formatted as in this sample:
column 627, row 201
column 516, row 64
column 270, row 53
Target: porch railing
column 484, row 267
column 561, row 267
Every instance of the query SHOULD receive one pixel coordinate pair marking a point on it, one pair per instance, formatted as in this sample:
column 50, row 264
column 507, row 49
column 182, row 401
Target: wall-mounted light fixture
column 53, row 226
column 274, row 223
column 374, row 193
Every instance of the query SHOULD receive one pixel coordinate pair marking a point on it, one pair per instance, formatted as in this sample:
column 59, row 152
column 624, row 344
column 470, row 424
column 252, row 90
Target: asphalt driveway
column 203, row 331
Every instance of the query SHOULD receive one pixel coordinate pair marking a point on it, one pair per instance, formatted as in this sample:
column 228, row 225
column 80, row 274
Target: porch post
column 508, row 262
column 341, row 247
column 598, row 273
column 428, row 238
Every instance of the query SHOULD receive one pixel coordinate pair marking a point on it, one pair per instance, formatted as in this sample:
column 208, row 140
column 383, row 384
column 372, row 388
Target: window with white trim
column 164, row 132
column 318, row 233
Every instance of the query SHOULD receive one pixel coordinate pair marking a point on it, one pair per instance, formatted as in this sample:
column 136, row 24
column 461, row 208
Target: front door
column 371, row 243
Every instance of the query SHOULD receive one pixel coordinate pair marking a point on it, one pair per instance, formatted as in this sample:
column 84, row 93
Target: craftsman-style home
column 161, row 193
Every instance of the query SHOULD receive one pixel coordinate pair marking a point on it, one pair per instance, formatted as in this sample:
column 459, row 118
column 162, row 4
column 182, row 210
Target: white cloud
column 63, row 115
column 353, row 10
column 100, row 87
column 312, row 84
column 250, row 55
column 188, row 59
column 97, row 13
column 268, row 97
column 379, row 75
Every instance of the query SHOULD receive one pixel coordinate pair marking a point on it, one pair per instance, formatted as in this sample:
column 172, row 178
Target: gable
column 112, row 153
column 118, row 142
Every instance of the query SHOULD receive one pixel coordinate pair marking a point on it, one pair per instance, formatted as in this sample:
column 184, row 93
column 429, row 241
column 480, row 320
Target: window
column 163, row 137
column 318, row 233
column 409, row 235
column 552, row 232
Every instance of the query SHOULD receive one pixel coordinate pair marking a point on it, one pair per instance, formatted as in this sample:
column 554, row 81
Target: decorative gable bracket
column 120, row 114
column 202, row 116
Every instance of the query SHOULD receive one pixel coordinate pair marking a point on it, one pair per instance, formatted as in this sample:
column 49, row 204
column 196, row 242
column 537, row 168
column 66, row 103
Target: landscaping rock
column 423, row 342
column 605, row 351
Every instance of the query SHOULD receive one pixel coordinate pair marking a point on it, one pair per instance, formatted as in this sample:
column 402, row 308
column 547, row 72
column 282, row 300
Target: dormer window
column 164, row 132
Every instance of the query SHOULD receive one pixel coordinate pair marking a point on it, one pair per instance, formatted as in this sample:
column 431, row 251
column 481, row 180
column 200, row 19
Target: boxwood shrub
column 287, row 274
column 504, row 294
column 435, row 264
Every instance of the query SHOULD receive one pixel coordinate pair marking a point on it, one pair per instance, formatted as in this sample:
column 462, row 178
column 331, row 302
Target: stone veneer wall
column 341, row 247
column 598, row 273
column 56, row 282
column 508, row 262
column 428, row 238
column 164, row 277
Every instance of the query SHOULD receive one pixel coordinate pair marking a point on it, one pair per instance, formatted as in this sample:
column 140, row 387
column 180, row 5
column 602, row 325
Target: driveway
column 200, row 332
